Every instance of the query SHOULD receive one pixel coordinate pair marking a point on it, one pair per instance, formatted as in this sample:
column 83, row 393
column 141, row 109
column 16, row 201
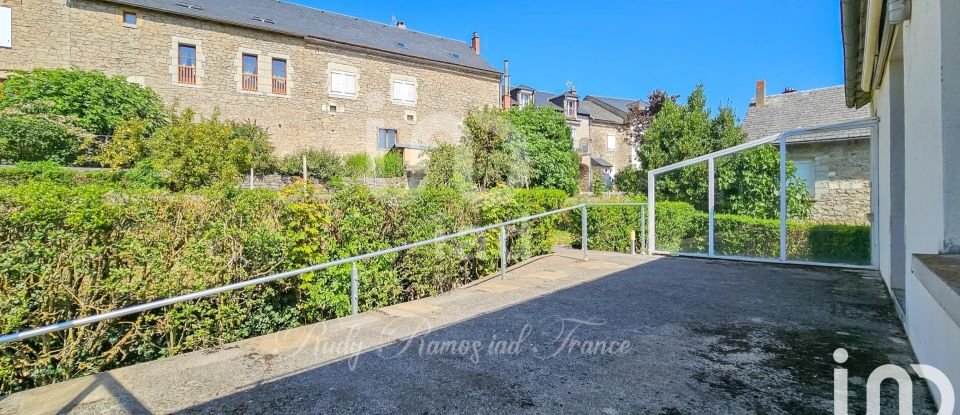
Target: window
column 6, row 27
column 571, row 108
column 250, row 78
column 187, row 69
column 386, row 139
column 129, row 19
column 526, row 98
column 611, row 142
column 279, row 69
column 332, row 109
column 404, row 92
column 806, row 173
column 343, row 83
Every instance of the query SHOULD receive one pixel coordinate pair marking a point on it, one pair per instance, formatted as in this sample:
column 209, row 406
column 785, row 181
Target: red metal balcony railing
column 280, row 86
column 250, row 82
column 187, row 75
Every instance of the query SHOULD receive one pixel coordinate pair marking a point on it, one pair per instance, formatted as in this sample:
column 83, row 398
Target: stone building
column 596, row 128
column 312, row 78
column 835, row 166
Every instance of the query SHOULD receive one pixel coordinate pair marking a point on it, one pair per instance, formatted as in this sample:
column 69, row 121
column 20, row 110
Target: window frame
column 385, row 134
column 412, row 85
column 571, row 108
column 123, row 18
column 180, row 63
column 274, row 77
column 611, row 142
column 7, row 35
column 246, row 85
column 334, row 73
column 812, row 183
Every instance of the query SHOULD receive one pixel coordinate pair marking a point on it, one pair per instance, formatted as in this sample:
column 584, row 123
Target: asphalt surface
column 617, row 335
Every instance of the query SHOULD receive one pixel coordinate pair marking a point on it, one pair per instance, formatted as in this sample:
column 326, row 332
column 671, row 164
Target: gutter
column 852, row 30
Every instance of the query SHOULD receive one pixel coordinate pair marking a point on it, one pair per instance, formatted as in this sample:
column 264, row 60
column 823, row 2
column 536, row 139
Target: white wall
column 881, row 109
column 924, row 132
column 934, row 335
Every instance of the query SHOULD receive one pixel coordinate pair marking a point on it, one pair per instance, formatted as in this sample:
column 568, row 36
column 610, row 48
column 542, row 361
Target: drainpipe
column 505, row 96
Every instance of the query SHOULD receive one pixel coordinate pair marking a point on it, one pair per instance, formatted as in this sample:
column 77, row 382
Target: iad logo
column 904, row 385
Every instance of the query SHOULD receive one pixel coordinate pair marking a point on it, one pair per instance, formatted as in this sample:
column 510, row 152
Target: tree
column 485, row 136
column 639, row 118
column 97, row 101
column 681, row 132
column 548, row 148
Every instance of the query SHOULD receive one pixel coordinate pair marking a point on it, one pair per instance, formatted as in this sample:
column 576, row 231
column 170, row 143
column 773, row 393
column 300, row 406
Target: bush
column 39, row 137
column 98, row 102
column 74, row 251
column 682, row 228
column 127, row 146
column 449, row 167
column 390, row 165
column 191, row 154
column 631, row 181
column 322, row 164
column 357, row 165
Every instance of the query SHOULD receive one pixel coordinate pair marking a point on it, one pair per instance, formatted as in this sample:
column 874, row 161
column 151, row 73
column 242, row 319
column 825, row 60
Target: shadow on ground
column 672, row 336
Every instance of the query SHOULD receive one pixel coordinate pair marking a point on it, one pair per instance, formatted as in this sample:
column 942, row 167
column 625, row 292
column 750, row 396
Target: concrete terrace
column 618, row 334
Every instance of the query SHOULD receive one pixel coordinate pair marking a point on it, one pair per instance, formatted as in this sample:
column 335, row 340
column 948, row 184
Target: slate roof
column 811, row 108
column 302, row 21
column 612, row 110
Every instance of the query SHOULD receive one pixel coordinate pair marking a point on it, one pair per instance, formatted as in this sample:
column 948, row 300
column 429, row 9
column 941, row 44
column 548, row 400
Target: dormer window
column 570, row 107
column 525, row 98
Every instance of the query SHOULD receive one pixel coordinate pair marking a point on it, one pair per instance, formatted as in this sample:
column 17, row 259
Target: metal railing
column 280, row 86
column 251, row 82
column 781, row 141
column 187, row 75
column 354, row 274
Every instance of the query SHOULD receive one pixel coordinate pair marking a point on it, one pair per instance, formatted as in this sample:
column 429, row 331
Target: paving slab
column 618, row 334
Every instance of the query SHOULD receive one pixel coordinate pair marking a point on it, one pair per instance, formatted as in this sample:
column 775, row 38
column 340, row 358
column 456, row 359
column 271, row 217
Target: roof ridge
column 373, row 21
column 823, row 88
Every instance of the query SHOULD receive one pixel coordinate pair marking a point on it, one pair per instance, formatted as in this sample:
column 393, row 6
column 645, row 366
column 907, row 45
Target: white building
column 902, row 58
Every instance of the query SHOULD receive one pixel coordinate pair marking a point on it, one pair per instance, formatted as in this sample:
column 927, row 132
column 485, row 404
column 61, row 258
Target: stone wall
column 620, row 155
column 90, row 35
column 842, row 175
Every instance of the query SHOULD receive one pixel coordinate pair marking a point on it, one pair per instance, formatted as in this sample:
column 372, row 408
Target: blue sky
column 626, row 48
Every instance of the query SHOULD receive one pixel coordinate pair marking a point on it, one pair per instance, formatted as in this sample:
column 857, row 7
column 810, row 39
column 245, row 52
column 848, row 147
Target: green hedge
column 74, row 250
column 682, row 228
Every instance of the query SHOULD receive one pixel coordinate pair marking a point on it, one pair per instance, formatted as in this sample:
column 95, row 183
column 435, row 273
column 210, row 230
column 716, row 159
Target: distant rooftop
column 803, row 109
column 296, row 20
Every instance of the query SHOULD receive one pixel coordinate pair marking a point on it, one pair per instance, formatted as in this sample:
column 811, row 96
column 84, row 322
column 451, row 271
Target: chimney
column 506, row 85
column 476, row 43
column 401, row 25
column 761, row 93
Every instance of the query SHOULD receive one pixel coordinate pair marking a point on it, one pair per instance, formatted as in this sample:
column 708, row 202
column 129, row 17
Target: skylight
column 455, row 55
column 401, row 45
column 190, row 5
column 262, row 20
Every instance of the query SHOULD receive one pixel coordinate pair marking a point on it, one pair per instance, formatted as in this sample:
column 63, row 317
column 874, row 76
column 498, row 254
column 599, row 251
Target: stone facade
column 619, row 156
column 842, row 179
column 91, row 35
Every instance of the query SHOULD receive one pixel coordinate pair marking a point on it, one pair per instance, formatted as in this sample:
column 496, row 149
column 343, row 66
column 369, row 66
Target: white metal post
column 503, row 252
column 304, row 168
column 710, row 204
column 783, row 197
column 643, row 232
column 354, row 290
column 651, row 213
column 874, row 195
column 583, row 231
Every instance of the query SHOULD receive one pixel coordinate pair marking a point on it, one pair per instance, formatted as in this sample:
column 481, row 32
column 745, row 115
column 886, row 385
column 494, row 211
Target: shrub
column 357, row 165
column 39, row 137
column 74, row 251
column 548, row 149
column 449, row 167
column 127, row 146
column 192, row 154
column 631, row 181
column 322, row 164
column 390, row 165
column 97, row 101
